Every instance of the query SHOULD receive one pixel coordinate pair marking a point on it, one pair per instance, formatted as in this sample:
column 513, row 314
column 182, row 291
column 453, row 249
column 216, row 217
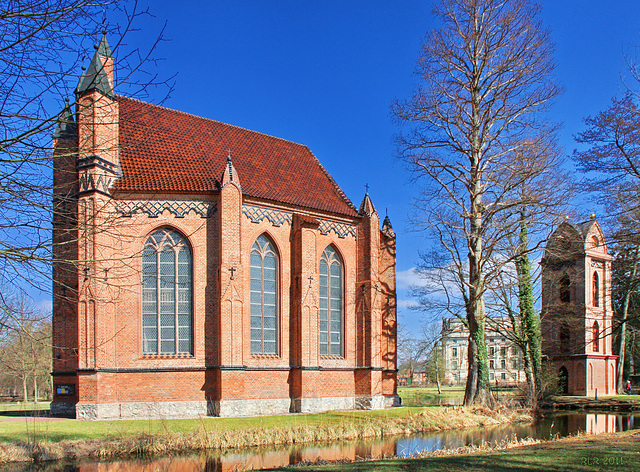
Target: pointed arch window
column 264, row 297
column 565, row 293
column 595, row 334
column 596, row 289
column 331, row 303
column 166, row 294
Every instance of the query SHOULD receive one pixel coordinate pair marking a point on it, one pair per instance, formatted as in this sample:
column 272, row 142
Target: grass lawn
column 29, row 406
column 62, row 430
column 635, row 398
column 619, row 452
column 423, row 396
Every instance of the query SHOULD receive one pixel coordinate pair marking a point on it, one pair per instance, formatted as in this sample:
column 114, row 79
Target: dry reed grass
column 206, row 438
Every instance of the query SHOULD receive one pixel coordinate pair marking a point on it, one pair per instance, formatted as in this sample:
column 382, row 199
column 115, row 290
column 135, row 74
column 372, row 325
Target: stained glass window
column 331, row 303
column 264, row 297
column 166, row 294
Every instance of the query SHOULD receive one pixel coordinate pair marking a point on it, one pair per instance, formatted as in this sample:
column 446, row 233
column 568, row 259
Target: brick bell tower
column 576, row 309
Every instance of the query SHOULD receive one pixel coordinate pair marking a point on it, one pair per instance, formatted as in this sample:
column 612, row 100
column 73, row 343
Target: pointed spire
column 99, row 74
column 103, row 48
column 229, row 176
column 67, row 126
column 366, row 207
column 387, row 229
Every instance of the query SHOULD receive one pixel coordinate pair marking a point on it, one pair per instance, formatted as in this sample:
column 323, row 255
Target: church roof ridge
column 333, row 182
column 213, row 120
column 163, row 149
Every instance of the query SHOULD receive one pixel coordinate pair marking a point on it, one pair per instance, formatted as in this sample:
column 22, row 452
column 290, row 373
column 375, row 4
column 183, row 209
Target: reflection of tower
column 576, row 309
column 600, row 423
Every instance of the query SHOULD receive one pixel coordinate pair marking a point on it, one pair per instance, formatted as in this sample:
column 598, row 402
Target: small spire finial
column 592, row 216
column 366, row 189
column 229, row 155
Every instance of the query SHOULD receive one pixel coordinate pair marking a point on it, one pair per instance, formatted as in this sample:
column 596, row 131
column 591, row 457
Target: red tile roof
column 164, row 151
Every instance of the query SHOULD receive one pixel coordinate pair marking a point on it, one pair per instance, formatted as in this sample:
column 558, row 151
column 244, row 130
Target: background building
column 505, row 359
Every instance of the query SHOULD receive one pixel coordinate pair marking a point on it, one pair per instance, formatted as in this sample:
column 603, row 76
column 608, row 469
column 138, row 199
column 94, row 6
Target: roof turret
column 366, row 207
column 99, row 75
column 67, row 126
column 387, row 229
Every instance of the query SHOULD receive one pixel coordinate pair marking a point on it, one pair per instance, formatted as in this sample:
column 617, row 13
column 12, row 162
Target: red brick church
column 206, row 269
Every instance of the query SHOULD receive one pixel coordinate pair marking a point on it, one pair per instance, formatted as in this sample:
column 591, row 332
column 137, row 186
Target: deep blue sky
column 323, row 73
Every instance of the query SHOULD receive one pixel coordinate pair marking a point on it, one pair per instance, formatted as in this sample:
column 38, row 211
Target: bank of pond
column 553, row 425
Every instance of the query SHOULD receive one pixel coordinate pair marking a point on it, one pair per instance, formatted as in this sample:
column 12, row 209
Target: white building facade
column 506, row 365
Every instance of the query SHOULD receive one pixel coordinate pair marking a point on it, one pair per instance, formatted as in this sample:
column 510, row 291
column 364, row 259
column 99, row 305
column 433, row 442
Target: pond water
column 555, row 424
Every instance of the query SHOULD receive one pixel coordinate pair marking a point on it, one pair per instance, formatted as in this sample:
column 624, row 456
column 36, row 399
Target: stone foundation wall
column 141, row 410
column 257, row 407
column 224, row 408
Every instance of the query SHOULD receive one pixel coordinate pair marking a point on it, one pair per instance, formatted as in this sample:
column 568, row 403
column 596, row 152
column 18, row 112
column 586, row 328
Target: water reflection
column 254, row 459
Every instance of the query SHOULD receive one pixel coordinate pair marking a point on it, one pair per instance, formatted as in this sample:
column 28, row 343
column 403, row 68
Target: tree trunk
column 435, row 350
column 622, row 338
column 25, row 394
column 477, row 389
column 35, row 389
column 530, row 322
column 532, row 391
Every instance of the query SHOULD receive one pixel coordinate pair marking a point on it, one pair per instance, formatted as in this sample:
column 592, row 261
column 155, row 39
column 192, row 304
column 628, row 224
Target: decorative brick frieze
column 178, row 208
column 276, row 217
column 342, row 230
column 100, row 163
column 94, row 183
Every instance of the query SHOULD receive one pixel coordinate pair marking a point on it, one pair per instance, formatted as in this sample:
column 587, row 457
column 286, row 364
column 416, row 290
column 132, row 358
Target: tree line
column 475, row 132
column 478, row 138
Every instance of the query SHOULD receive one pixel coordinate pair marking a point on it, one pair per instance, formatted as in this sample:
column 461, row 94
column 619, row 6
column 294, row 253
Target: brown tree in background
column 25, row 348
column 611, row 163
column 484, row 77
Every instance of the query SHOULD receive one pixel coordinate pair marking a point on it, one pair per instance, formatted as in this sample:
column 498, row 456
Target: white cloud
column 45, row 305
column 405, row 279
column 407, row 304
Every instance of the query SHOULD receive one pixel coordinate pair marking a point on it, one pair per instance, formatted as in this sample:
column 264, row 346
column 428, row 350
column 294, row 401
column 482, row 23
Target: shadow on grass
column 29, row 413
column 579, row 455
column 495, row 462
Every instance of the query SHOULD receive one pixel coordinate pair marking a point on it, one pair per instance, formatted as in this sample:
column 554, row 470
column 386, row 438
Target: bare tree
column 539, row 201
column 411, row 350
column 25, row 345
column 484, row 79
column 611, row 163
column 434, row 360
column 43, row 43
